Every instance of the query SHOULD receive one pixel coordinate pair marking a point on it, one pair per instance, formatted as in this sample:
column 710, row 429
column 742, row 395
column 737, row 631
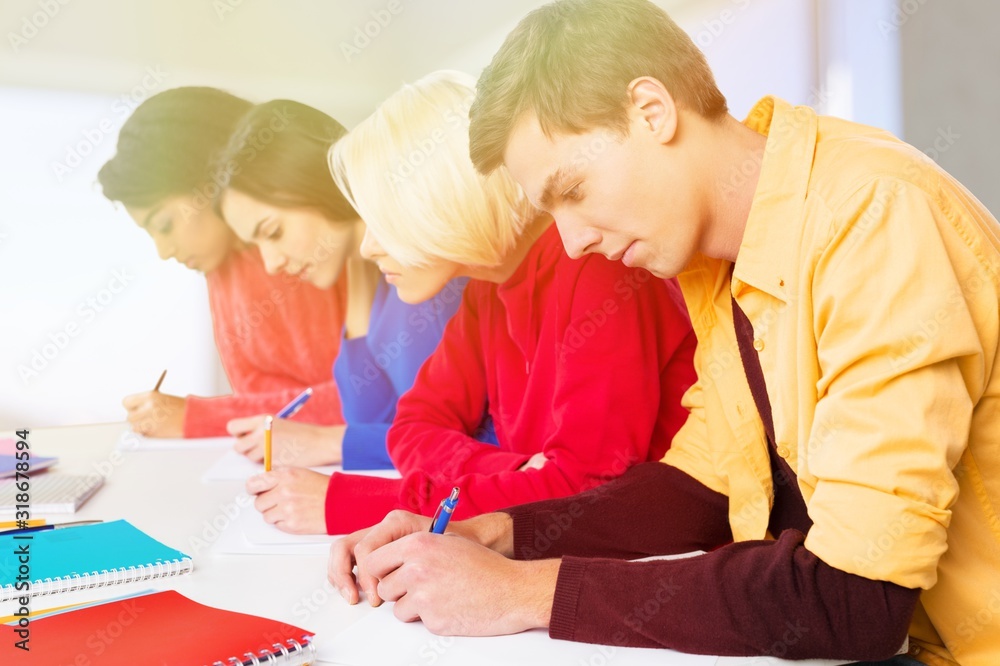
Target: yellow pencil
column 267, row 443
column 34, row 522
column 35, row 613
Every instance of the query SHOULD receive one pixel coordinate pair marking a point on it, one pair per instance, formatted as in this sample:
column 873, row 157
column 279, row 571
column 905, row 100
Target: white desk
column 161, row 493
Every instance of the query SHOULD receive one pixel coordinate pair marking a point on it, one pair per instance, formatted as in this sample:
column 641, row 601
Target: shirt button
column 758, row 344
column 783, row 451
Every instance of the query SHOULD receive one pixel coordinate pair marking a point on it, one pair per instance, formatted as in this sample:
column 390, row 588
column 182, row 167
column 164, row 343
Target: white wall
column 89, row 312
column 828, row 54
column 74, row 80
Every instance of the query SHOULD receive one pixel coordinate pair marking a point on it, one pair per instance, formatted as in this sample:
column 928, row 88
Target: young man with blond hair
column 845, row 427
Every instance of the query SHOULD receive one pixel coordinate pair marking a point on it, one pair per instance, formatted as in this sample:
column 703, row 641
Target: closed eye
column 574, row 193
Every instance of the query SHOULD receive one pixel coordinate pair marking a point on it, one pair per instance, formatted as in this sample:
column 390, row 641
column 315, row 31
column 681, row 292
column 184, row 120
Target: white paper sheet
column 130, row 441
column 232, row 466
column 249, row 534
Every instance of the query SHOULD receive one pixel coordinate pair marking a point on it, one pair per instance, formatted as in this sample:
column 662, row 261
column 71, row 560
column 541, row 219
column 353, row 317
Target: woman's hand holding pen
column 293, row 499
column 155, row 414
column 295, row 444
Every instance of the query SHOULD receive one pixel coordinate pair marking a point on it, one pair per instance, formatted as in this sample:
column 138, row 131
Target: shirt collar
column 767, row 254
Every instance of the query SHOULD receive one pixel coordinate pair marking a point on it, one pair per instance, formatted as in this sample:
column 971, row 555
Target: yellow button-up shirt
column 872, row 280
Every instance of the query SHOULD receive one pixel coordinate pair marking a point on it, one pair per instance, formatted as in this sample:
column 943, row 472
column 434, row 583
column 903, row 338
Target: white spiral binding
column 103, row 578
column 305, row 652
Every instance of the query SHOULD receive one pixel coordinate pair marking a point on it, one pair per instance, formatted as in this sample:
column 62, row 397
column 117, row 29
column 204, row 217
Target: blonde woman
column 579, row 365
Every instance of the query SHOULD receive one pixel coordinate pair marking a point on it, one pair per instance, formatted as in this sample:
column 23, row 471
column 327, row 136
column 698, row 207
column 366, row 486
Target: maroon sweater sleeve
column 695, row 518
column 751, row 598
column 747, row 599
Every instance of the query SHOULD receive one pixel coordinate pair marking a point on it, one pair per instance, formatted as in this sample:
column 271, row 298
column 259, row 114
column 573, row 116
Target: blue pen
column 295, row 405
column 443, row 514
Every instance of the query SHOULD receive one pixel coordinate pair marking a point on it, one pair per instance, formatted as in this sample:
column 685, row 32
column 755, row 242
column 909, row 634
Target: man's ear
column 652, row 109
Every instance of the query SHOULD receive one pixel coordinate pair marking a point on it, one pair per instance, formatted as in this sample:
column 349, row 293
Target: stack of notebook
column 74, row 558
column 163, row 628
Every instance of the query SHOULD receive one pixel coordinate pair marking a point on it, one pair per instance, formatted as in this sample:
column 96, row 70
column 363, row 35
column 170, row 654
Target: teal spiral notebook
column 83, row 557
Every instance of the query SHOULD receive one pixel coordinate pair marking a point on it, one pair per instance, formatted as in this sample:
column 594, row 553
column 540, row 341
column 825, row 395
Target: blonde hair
column 406, row 170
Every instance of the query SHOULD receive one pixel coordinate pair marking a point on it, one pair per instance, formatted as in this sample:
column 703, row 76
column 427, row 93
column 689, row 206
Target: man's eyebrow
column 555, row 179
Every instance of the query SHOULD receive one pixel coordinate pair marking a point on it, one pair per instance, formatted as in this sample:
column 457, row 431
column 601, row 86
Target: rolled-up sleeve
column 900, row 365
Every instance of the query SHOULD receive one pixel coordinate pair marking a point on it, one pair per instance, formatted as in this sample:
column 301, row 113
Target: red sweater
column 583, row 360
column 276, row 335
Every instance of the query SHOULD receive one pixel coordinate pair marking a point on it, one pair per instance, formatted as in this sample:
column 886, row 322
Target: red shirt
column 585, row 360
column 276, row 335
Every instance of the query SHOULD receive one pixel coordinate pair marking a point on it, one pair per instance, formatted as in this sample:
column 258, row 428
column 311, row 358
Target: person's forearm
column 747, row 599
column 652, row 509
column 493, row 530
column 207, row 417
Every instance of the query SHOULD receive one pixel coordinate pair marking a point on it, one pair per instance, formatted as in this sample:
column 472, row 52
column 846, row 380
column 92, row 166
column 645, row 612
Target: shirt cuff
column 562, row 624
column 205, row 417
column 523, row 531
column 356, row 501
column 901, row 544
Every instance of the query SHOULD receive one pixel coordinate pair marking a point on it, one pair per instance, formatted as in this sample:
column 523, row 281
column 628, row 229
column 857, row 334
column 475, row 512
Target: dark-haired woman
column 272, row 332
column 282, row 198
